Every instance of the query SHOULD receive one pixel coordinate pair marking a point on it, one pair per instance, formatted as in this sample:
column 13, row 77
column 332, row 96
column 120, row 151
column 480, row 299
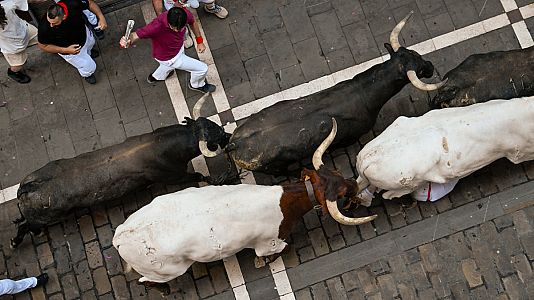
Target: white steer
column 446, row 144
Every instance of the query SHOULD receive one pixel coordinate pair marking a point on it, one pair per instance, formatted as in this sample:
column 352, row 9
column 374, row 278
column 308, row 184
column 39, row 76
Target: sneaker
column 207, row 88
column 99, row 33
column 42, row 279
column 95, row 53
column 188, row 42
column 217, row 10
column 90, row 79
column 150, row 79
column 19, row 76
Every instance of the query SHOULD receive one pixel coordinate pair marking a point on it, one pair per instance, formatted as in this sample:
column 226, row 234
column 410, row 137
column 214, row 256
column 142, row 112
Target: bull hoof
column 259, row 262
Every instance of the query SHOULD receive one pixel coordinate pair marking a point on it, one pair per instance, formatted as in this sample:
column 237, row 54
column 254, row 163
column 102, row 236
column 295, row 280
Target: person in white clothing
column 15, row 36
column 428, row 193
column 10, row 287
column 65, row 32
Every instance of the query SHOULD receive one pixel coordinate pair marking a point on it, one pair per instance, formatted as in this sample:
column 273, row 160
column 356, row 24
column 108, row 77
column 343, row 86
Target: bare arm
column 158, row 6
column 72, row 49
column 196, row 31
column 93, row 7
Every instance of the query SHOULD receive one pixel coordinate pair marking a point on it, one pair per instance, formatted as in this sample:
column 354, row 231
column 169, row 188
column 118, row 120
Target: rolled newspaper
column 129, row 28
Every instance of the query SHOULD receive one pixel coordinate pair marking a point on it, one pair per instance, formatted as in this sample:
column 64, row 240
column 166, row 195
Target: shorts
column 19, row 59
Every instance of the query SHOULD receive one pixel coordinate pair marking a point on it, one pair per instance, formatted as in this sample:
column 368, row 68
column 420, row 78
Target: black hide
column 290, row 131
column 488, row 76
column 47, row 194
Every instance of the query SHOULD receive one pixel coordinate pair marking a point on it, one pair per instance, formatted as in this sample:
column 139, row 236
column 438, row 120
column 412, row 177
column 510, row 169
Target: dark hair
column 54, row 11
column 3, row 17
column 177, row 17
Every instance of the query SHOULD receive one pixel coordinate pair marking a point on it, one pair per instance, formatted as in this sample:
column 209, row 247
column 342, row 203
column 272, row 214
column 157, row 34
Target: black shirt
column 71, row 31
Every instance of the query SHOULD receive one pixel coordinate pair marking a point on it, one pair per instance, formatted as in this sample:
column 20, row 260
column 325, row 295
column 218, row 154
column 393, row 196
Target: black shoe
column 42, row 279
column 99, row 33
column 18, row 76
column 207, row 88
column 150, row 79
column 94, row 53
column 90, row 79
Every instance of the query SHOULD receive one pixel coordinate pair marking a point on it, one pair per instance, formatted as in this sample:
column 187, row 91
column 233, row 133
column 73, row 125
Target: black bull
column 483, row 77
column 289, row 131
column 162, row 156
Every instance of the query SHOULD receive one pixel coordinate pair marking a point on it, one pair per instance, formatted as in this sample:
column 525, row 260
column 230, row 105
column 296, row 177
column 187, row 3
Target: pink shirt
column 166, row 43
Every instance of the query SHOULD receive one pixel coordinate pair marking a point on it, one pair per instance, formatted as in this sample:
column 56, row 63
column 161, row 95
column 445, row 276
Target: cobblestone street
column 476, row 243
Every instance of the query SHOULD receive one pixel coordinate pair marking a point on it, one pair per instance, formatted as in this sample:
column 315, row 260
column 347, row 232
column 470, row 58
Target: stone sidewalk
column 475, row 243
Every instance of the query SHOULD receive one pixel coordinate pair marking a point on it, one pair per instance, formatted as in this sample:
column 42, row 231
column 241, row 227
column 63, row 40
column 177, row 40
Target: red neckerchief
column 429, row 190
column 65, row 9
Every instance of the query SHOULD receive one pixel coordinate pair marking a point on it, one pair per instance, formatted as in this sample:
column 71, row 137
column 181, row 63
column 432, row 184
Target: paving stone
column 351, row 281
column 246, row 262
column 94, row 257
column 116, row 216
column 297, row 22
column 348, row 11
column 336, row 242
column 395, row 212
column 367, row 281
column 303, row 294
column 76, row 247
column 44, row 254
column 290, row 77
column 262, row 289
column 38, row 293
column 247, row 39
column 219, row 279
column 267, row 16
column 514, row 288
column 521, row 223
column 431, row 8
column 329, row 34
column 318, row 241
column 508, row 174
column 420, row 279
column 381, row 222
column 315, row 7
column 524, row 270
column 101, row 281
column 109, row 127
column 62, row 259
column 138, row 127
column 159, row 109
column 379, row 267
column 331, row 227
column 306, row 254
column 57, row 237
column 137, row 290
column 218, row 35
column 70, row 287
column 120, row 288
column 311, row 58
column 469, row 268
column 113, row 261
column 86, row 228
column 89, row 144
column 199, row 270
column 428, row 210
column 229, row 66
column 205, row 288
column 83, row 275
column 56, row 297
column 336, row 288
column 350, row 234
column 30, row 144
column 291, row 259
column 261, row 75
column 52, row 286
column 311, row 220
column 488, row 8
column 528, row 245
column 388, row 288
column 367, row 231
column 89, row 295
column 105, row 235
column 319, row 291
column 19, row 102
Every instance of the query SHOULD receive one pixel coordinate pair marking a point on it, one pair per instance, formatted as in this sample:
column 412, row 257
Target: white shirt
column 434, row 191
column 14, row 37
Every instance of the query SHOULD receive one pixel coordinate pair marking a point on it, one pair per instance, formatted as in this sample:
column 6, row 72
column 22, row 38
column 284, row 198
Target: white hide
column 162, row 239
column 447, row 144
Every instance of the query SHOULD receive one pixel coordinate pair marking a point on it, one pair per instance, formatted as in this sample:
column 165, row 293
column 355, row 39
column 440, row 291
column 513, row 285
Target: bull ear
column 389, row 48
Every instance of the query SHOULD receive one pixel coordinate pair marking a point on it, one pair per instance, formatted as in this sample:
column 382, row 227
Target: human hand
column 102, row 24
column 125, row 43
column 201, row 48
column 73, row 49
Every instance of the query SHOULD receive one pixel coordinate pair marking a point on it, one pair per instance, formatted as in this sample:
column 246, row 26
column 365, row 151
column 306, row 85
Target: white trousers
column 198, row 69
column 168, row 4
column 82, row 61
column 91, row 17
column 9, row 287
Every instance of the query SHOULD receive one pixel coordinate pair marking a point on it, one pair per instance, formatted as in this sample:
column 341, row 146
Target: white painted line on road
column 199, row 163
column 508, row 5
column 522, row 34
column 9, row 193
column 281, row 281
column 527, row 11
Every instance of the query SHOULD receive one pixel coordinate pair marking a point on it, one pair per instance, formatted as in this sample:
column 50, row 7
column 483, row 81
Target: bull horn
column 198, row 106
column 424, row 86
column 317, row 159
column 340, row 218
column 394, row 36
column 203, row 145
